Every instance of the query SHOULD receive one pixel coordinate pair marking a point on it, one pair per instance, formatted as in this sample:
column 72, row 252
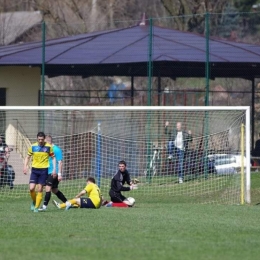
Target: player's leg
column 50, row 183
column 104, row 202
column 32, row 194
column 47, row 196
column 59, row 194
column 38, row 197
column 71, row 203
column 86, row 203
column 32, row 184
column 116, row 196
column 43, row 175
column 117, row 199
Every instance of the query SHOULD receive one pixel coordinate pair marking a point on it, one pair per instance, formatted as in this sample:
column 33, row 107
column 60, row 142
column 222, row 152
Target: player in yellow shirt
column 40, row 153
column 93, row 201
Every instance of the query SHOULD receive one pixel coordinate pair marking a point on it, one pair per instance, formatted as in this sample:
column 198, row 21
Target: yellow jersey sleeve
column 30, row 153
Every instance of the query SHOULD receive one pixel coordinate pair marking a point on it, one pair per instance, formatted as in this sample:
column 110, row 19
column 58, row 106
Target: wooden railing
column 22, row 140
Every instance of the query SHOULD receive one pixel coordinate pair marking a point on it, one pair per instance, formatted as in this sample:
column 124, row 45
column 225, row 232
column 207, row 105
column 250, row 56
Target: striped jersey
column 40, row 155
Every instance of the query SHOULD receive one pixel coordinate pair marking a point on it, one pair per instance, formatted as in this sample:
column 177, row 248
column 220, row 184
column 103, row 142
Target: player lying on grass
column 117, row 185
column 93, row 201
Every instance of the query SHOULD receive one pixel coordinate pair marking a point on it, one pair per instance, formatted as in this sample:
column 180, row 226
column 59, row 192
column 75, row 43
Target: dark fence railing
column 185, row 97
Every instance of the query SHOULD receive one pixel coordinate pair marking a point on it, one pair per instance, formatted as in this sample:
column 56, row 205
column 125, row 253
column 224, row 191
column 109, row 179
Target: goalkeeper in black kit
column 117, row 185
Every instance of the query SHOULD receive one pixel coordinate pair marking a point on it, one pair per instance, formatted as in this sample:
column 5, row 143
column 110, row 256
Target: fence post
column 149, row 97
column 98, row 155
column 150, row 62
column 43, row 64
column 207, row 58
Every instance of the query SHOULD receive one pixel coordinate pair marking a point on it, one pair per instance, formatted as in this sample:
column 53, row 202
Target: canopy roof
column 126, row 52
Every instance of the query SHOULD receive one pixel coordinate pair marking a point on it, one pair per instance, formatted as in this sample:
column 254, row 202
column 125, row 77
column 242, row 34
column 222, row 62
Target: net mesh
column 93, row 141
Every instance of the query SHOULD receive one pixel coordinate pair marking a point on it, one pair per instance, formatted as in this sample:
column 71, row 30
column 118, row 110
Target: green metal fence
column 153, row 90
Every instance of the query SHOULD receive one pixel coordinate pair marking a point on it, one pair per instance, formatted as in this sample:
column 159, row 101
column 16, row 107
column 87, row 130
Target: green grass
column 158, row 228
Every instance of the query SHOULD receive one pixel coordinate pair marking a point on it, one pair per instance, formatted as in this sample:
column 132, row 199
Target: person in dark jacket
column 257, row 147
column 117, row 184
column 4, row 149
column 177, row 144
column 6, row 175
column 256, row 151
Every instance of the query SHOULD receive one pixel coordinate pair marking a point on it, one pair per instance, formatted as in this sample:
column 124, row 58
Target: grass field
column 153, row 229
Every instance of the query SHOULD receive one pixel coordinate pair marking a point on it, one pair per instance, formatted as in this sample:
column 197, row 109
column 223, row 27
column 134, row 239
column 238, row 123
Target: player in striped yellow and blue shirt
column 40, row 153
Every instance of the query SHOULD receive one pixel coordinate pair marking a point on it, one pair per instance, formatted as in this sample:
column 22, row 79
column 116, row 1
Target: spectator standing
column 177, row 145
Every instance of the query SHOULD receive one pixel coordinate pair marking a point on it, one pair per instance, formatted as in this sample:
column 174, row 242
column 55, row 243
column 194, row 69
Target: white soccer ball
column 131, row 200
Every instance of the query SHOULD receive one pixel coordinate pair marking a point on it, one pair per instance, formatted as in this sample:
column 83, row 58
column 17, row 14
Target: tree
column 70, row 17
column 229, row 23
column 245, row 5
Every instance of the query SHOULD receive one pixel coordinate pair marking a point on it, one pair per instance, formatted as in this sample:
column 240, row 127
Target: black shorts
column 116, row 196
column 52, row 182
column 86, row 203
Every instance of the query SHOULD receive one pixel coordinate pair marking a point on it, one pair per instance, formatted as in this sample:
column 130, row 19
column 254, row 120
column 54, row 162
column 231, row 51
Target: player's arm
column 52, row 155
column 128, row 179
column 59, row 157
column 133, row 184
column 54, row 163
column 26, row 161
column 120, row 187
column 59, row 170
column 83, row 192
column 59, row 167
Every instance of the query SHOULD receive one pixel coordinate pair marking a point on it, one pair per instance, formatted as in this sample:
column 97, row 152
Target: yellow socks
column 33, row 196
column 72, row 202
column 38, row 200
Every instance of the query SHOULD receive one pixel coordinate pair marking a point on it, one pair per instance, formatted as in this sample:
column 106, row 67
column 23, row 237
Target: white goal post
column 94, row 139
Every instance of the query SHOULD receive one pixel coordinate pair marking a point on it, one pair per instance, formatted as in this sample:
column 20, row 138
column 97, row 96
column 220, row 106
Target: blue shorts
column 86, row 203
column 39, row 176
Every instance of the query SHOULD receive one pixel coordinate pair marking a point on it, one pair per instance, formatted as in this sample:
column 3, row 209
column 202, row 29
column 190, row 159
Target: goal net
column 206, row 161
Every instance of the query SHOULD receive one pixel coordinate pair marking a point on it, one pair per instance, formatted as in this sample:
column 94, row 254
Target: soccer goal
column 206, row 161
